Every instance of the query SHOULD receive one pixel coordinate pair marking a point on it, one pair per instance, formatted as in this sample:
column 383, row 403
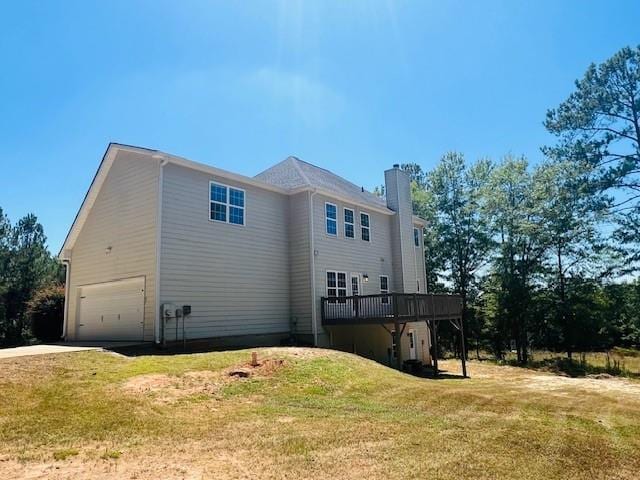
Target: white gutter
column 314, row 320
column 67, row 288
column 157, row 320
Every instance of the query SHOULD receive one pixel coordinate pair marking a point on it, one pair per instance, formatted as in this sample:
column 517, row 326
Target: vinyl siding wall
column 300, row 262
column 123, row 217
column 350, row 255
column 236, row 278
column 419, row 259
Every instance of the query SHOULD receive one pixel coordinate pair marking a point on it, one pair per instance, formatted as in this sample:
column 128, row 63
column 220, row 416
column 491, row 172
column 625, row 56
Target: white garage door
column 112, row 310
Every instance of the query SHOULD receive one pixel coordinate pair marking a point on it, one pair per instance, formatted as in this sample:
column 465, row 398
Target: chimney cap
column 396, row 165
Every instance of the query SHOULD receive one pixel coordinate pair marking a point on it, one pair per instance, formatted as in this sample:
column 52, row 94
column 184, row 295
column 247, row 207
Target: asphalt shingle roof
column 294, row 173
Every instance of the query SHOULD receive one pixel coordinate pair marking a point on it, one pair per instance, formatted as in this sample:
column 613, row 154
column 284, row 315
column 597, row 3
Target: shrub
column 45, row 311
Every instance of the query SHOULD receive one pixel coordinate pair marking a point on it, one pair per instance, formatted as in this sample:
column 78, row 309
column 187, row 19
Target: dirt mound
column 164, row 388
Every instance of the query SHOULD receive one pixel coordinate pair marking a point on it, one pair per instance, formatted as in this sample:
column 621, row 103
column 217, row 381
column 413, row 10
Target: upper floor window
column 226, row 204
column 416, row 237
column 348, row 223
column 331, row 214
column 365, row 227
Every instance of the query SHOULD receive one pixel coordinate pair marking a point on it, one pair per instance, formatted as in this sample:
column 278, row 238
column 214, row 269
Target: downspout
column 157, row 321
column 314, row 320
column 67, row 289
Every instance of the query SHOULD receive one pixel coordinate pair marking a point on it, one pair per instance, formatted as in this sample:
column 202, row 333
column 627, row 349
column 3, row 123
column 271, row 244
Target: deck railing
column 389, row 307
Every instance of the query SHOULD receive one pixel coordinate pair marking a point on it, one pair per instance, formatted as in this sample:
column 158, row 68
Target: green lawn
column 319, row 414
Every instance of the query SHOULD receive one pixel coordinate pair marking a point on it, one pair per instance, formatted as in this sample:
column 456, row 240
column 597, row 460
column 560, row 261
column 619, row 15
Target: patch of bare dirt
column 549, row 382
column 300, row 352
column 164, row 388
column 558, row 383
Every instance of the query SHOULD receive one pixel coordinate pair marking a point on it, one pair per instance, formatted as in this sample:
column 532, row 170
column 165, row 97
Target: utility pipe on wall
column 312, row 248
column 65, row 315
column 158, row 313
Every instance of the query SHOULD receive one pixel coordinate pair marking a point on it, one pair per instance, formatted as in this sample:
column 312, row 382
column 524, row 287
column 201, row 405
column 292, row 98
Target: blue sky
column 353, row 86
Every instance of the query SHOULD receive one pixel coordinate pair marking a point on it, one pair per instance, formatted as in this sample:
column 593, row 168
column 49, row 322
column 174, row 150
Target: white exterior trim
column 345, row 223
column 157, row 320
column 360, row 213
column 326, row 218
column 228, row 204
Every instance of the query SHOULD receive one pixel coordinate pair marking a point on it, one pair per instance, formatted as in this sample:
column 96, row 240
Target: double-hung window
column 336, row 286
column 365, row 229
column 226, row 204
column 331, row 214
column 348, row 223
column 384, row 287
column 416, row 237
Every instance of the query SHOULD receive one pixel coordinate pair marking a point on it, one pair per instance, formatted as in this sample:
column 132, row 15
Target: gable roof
column 294, row 174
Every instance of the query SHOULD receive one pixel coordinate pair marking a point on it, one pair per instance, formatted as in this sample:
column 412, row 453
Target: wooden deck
column 398, row 309
column 390, row 308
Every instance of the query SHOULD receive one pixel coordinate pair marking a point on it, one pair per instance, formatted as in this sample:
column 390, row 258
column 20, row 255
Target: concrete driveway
column 60, row 348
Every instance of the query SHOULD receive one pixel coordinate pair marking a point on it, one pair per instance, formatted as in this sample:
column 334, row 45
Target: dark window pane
column 236, row 197
column 348, row 215
column 236, row 215
column 364, row 219
column 384, row 284
column 332, row 227
column 331, row 279
column 365, row 234
column 218, row 193
column 342, row 280
column 331, row 211
column 416, row 237
column 218, row 212
column 348, row 230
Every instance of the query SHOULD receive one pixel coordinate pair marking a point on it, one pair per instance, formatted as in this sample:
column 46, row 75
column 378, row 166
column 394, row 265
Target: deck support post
column 435, row 347
column 463, row 351
column 398, row 333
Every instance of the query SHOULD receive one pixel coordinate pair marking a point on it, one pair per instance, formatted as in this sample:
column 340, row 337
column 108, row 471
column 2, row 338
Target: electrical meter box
column 168, row 310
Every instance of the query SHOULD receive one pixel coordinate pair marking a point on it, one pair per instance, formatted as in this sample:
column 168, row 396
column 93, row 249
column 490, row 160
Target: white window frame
column 228, row 204
column 416, row 236
column 353, row 223
column 326, row 219
column 337, row 289
column 363, row 227
column 357, row 276
column 380, row 277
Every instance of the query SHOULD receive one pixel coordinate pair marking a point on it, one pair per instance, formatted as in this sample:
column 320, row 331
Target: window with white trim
column 384, row 287
column 336, row 286
column 365, row 228
column 349, row 231
column 226, row 204
column 331, row 215
column 416, row 237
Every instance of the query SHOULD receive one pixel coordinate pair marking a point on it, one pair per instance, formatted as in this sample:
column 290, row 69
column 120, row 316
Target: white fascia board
column 87, row 203
column 419, row 221
column 344, row 199
column 114, row 148
column 218, row 172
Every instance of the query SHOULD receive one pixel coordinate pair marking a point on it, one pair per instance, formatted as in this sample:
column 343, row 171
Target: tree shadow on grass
column 576, row 368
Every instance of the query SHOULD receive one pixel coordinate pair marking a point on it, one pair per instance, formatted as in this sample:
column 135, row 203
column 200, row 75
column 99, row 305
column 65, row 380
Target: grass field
column 618, row 362
column 307, row 414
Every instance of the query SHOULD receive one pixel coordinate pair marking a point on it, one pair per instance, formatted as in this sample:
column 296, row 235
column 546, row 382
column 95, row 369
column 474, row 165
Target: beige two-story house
column 164, row 248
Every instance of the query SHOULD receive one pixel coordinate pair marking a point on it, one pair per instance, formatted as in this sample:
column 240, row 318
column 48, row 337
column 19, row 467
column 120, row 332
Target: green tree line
column 30, row 280
column 546, row 255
